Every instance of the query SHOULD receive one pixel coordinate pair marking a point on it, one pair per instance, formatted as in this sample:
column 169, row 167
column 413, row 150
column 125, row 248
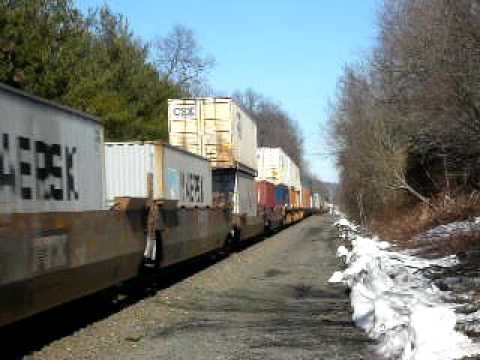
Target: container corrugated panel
column 273, row 165
column 294, row 176
column 277, row 167
column 127, row 166
column 216, row 128
column 281, row 195
column 175, row 174
column 266, row 194
column 306, row 198
column 52, row 156
column 294, row 197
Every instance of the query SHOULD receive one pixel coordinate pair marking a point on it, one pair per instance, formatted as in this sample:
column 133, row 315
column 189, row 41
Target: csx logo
column 184, row 112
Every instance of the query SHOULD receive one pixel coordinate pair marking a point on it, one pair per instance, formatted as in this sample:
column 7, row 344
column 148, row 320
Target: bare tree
column 249, row 99
column 275, row 127
column 406, row 122
column 178, row 56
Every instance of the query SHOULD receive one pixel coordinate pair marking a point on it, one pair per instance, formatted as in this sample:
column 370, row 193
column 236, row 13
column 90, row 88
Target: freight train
column 79, row 215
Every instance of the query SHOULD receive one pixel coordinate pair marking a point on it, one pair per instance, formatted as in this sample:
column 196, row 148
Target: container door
column 185, row 125
column 217, row 134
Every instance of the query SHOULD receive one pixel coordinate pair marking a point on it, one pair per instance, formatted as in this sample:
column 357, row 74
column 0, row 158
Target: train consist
column 78, row 215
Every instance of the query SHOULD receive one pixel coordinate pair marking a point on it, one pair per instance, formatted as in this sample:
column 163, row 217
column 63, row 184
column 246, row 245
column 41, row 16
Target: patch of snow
column 345, row 223
column 470, row 322
column 397, row 305
column 454, row 228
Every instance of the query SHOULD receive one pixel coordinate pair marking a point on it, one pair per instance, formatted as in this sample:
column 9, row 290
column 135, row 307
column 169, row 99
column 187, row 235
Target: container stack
column 306, row 194
column 220, row 130
column 266, row 194
column 276, row 167
column 317, row 202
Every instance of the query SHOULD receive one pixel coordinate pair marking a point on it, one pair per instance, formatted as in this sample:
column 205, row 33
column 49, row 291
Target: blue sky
column 291, row 51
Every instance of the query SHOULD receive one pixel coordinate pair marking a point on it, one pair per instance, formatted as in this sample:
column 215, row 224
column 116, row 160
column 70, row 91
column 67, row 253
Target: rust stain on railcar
column 194, row 232
column 249, row 226
column 50, row 258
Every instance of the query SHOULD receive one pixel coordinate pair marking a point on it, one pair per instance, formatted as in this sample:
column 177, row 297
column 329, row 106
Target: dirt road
column 270, row 301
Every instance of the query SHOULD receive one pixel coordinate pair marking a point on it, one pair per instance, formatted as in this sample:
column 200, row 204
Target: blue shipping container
column 281, row 195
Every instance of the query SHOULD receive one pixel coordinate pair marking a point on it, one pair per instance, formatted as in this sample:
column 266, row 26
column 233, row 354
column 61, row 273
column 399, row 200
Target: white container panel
column 51, row 157
column 188, row 178
column 245, row 197
column 127, row 166
column 274, row 165
column 294, row 176
column 244, row 131
column 176, row 174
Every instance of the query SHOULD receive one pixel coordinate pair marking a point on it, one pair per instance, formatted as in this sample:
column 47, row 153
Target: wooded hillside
column 95, row 63
column 406, row 122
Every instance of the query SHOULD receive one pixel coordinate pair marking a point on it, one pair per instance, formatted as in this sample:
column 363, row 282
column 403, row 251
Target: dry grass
column 403, row 225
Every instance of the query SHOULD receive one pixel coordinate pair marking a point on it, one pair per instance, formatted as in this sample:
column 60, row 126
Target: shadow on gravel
column 314, row 233
column 303, row 291
column 303, row 318
column 275, row 272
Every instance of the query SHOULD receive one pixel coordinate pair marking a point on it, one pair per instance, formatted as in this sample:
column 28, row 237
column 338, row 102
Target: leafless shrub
column 406, row 121
column 403, row 226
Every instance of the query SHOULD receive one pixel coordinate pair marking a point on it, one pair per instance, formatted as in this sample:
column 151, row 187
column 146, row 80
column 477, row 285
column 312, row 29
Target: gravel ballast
column 269, row 301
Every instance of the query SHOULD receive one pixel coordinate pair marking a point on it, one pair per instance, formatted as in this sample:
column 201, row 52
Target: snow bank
column 454, row 228
column 396, row 305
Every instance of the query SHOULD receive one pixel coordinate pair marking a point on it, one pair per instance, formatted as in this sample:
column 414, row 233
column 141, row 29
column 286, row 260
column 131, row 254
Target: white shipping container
column 294, row 176
column 51, row 156
column 277, row 167
column 175, row 174
column 272, row 165
column 216, row 128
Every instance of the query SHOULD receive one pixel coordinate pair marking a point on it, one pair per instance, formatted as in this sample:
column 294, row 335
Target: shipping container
column 294, row 179
column 317, row 202
column 275, row 165
column 216, row 128
column 235, row 190
column 294, row 197
column 306, row 198
column 272, row 165
column 265, row 194
column 51, row 156
column 281, row 195
column 159, row 171
column 57, row 242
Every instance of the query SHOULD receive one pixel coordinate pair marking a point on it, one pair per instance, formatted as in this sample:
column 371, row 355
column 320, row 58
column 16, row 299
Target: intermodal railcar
column 62, row 237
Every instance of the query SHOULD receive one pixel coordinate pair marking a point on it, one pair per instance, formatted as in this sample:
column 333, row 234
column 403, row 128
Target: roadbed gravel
column 269, row 301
